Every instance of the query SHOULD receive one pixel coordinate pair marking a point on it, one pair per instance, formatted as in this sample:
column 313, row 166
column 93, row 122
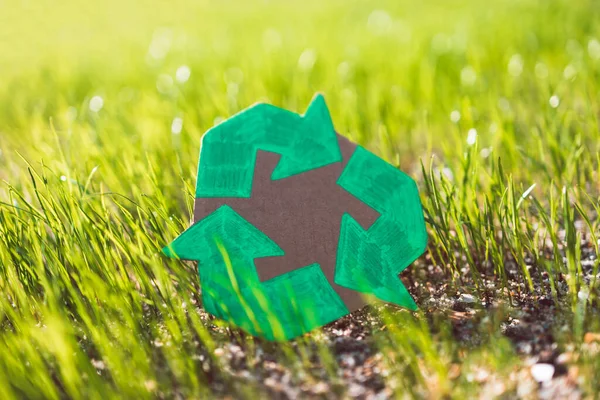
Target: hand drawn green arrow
column 278, row 309
column 228, row 153
column 370, row 261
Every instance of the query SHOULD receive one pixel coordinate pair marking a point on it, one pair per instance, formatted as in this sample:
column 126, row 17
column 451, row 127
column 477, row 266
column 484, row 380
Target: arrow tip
column 396, row 293
column 355, row 271
column 169, row 251
column 317, row 109
column 316, row 146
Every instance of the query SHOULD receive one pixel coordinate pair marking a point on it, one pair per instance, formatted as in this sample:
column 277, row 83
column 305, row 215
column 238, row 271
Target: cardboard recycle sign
column 294, row 224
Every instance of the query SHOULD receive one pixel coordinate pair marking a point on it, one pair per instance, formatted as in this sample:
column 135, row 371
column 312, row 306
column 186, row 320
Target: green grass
column 492, row 108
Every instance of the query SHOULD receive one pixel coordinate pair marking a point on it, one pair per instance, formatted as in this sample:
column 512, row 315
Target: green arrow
column 224, row 226
column 204, row 241
column 370, row 261
column 225, row 245
column 228, row 153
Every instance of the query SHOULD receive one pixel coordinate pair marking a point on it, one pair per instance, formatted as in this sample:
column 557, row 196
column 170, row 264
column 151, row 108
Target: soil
column 531, row 321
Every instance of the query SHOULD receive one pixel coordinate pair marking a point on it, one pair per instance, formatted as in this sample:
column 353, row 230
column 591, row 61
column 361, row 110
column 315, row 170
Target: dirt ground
column 531, row 321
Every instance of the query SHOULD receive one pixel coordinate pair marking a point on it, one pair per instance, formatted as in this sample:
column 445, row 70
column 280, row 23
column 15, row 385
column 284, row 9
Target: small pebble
column 98, row 364
column 564, row 358
column 150, row 385
column 591, row 337
column 542, row 372
column 467, row 298
column 356, row 390
column 320, row 388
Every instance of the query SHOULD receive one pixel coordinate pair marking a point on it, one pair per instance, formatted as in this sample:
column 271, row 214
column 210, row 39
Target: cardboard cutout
column 293, row 223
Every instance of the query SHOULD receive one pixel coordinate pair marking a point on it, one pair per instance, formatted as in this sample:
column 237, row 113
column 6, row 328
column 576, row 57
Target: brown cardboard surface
column 302, row 214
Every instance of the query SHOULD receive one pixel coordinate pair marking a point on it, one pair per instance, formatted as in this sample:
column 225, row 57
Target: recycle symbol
column 295, row 225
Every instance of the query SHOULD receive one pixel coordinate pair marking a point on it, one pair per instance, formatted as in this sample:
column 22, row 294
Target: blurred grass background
column 491, row 106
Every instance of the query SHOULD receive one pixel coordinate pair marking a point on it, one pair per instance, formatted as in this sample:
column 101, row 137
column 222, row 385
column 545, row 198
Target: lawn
column 492, row 107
